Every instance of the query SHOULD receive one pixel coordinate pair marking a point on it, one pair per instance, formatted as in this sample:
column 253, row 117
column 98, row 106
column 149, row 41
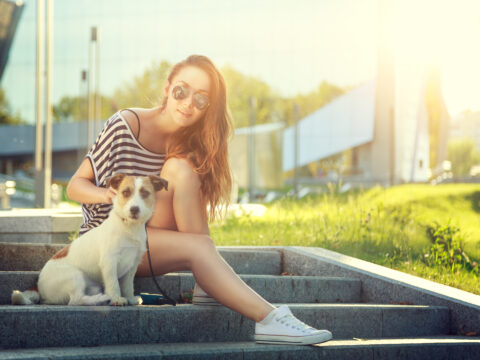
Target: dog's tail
column 27, row 297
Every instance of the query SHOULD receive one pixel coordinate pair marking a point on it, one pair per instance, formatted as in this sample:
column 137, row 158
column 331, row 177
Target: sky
column 292, row 45
column 444, row 34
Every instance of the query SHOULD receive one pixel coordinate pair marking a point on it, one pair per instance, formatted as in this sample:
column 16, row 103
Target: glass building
column 292, row 46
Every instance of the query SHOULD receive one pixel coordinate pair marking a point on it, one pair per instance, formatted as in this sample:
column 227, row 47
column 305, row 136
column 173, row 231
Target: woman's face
column 188, row 96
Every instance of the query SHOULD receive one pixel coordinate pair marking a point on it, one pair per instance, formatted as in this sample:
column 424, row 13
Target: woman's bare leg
column 173, row 251
column 178, row 239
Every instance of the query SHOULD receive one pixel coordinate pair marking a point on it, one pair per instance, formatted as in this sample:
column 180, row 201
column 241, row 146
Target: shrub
column 447, row 249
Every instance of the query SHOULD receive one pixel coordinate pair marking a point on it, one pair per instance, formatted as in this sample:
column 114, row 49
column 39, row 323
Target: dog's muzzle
column 134, row 211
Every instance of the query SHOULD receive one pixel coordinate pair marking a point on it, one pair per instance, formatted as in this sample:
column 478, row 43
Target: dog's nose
column 134, row 210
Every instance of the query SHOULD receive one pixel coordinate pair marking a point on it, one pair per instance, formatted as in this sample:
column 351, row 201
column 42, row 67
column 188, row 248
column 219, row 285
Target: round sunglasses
column 200, row 101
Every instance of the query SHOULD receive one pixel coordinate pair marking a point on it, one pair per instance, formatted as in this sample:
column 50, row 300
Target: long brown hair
column 205, row 143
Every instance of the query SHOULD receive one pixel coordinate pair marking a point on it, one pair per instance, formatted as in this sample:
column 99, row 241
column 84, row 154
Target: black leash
column 168, row 299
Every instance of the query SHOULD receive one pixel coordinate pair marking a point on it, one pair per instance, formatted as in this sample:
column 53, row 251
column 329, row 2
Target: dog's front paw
column 135, row 300
column 118, row 301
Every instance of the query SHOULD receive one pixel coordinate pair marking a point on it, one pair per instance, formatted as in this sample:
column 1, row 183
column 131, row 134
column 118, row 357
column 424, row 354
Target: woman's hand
column 109, row 195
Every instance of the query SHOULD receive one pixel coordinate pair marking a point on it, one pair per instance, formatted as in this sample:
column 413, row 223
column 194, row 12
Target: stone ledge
column 384, row 285
column 47, row 325
column 426, row 348
column 35, row 221
column 280, row 289
column 32, row 257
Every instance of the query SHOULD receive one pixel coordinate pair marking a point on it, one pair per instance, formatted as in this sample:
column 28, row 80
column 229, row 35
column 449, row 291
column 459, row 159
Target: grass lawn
column 384, row 226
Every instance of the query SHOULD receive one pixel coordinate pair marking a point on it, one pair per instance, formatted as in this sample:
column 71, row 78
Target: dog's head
column 135, row 198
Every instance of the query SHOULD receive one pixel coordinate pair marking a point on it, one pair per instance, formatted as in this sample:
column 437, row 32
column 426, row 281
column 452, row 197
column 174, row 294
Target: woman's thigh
column 174, row 251
column 171, row 249
column 163, row 216
column 179, row 207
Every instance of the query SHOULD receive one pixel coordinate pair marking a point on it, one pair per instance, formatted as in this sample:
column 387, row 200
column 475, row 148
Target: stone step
column 39, row 225
column 60, row 326
column 432, row 348
column 32, row 257
column 274, row 288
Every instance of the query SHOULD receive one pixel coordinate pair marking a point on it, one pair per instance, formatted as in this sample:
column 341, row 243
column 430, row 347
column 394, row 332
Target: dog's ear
column 115, row 180
column 158, row 183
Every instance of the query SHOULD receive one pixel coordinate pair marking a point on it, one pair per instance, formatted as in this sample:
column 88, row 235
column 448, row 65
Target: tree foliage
column 463, row 154
column 6, row 116
column 75, row 108
column 310, row 102
column 270, row 106
column 145, row 90
column 240, row 89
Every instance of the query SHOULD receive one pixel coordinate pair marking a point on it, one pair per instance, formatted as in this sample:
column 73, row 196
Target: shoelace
column 293, row 322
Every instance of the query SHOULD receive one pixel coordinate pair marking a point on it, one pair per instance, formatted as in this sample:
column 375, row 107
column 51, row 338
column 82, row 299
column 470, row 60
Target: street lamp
column 93, row 95
column 43, row 170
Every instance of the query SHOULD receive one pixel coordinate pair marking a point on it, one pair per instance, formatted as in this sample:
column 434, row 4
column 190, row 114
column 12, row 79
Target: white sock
column 267, row 318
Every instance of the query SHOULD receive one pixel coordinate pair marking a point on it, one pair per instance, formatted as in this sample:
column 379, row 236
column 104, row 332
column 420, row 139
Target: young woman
column 184, row 140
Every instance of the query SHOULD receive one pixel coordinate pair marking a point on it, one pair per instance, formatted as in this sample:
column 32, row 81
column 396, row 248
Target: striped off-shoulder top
column 117, row 150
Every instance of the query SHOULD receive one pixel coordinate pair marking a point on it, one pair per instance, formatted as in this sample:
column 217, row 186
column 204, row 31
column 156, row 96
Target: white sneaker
column 281, row 327
column 200, row 297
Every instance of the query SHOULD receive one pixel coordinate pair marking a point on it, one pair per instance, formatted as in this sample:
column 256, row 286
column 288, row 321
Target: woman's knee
column 204, row 247
column 181, row 207
column 180, row 171
column 205, row 243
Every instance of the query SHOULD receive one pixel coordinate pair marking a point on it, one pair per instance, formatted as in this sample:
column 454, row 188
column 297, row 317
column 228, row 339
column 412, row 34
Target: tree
column 145, row 90
column 239, row 90
column 6, row 116
column 75, row 108
column 463, row 154
column 271, row 106
column 70, row 108
column 310, row 102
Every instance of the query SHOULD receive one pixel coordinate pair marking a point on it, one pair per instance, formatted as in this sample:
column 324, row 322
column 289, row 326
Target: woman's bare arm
column 82, row 189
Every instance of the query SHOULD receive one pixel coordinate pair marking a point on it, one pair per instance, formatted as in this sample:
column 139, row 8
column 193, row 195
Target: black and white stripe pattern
column 116, row 150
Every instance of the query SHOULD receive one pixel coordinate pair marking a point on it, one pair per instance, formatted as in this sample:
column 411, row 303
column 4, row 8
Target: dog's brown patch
column 158, row 183
column 33, row 288
column 115, row 181
column 62, row 253
column 147, row 191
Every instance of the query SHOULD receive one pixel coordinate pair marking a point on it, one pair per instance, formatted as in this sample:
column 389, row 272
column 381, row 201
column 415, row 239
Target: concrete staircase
column 371, row 313
column 39, row 225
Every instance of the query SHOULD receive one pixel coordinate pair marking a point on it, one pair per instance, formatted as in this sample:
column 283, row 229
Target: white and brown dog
column 105, row 257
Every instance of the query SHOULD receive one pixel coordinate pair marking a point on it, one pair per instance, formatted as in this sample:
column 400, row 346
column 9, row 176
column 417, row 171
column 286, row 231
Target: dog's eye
column 144, row 193
column 126, row 192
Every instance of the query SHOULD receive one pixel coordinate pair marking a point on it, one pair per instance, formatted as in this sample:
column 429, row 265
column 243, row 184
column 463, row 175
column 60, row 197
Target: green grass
column 384, row 226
